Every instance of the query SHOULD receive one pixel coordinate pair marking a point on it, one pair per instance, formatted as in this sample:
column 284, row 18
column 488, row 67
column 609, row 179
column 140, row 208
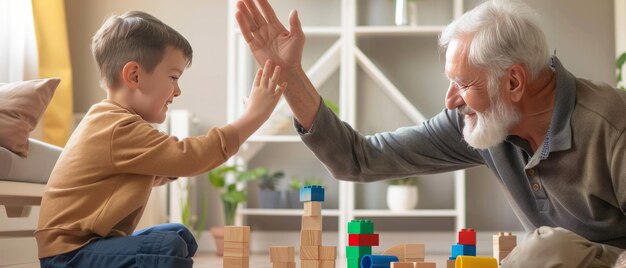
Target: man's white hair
column 504, row 33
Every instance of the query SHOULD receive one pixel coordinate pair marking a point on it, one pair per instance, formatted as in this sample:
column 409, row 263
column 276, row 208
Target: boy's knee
column 173, row 245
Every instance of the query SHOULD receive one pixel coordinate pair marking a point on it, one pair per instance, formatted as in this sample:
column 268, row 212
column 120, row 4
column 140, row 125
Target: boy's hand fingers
column 266, row 73
column 276, row 74
column 257, row 78
column 281, row 89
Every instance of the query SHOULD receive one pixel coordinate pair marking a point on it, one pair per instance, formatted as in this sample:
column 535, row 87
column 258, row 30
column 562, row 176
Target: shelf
column 313, row 31
column 408, row 213
column 274, row 138
column 283, row 212
column 398, row 30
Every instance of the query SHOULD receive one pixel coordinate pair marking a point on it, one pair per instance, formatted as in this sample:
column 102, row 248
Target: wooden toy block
column 237, row 233
column 504, row 241
column 282, row 254
column 312, row 193
column 328, row 253
column 402, row 265
column 450, row 263
column 327, row 264
column 310, row 237
column 467, row 237
column 309, row 252
column 425, row 265
column 475, row 262
column 283, row 265
column 310, row 263
column 500, row 255
column 463, row 250
column 312, row 208
column 357, row 252
column 311, row 223
column 407, row 252
column 236, row 262
column 363, row 239
column 236, row 249
column 360, row 227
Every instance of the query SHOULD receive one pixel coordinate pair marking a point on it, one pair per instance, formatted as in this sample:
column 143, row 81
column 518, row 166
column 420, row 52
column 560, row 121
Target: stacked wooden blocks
column 361, row 238
column 312, row 253
column 409, row 255
column 236, row 246
column 282, row 257
column 503, row 244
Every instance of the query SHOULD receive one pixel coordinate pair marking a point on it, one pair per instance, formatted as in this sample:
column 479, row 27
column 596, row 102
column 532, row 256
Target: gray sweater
column 575, row 180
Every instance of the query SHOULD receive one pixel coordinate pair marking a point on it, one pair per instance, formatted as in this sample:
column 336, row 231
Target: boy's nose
column 177, row 92
column 453, row 97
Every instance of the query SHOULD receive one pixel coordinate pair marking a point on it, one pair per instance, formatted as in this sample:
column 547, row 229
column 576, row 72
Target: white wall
column 582, row 31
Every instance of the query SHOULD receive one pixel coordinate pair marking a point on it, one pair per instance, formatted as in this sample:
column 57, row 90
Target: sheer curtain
column 18, row 48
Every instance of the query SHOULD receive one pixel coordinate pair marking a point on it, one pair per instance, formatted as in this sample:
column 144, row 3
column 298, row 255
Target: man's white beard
column 489, row 128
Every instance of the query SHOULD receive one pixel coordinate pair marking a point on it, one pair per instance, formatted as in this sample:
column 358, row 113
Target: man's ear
column 130, row 74
column 516, row 86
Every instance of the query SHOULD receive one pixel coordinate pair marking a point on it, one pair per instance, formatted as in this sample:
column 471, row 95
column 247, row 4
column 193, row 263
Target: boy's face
column 157, row 89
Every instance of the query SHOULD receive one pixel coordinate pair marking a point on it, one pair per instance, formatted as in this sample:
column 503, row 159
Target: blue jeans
column 166, row 245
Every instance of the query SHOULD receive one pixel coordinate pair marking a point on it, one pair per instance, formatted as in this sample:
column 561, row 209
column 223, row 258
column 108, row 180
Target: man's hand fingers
column 244, row 27
column 294, row 23
column 256, row 14
column 243, row 8
column 268, row 11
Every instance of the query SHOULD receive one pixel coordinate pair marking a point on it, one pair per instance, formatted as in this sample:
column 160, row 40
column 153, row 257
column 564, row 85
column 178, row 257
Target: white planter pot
column 402, row 197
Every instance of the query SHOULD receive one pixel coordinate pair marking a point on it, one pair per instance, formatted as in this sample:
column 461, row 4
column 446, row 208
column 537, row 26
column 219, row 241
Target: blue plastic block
column 312, row 193
column 378, row 261
column 463, row 250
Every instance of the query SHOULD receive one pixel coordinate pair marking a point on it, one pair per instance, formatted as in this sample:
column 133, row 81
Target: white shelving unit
column 346, row 58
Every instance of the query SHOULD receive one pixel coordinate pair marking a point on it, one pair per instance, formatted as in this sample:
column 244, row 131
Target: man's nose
column 453, row 97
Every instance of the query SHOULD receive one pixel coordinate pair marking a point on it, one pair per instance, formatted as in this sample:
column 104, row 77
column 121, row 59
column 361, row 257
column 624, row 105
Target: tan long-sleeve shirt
column 102, row 180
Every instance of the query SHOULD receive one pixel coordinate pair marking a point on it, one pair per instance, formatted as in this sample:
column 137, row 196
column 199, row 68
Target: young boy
column 99, row 187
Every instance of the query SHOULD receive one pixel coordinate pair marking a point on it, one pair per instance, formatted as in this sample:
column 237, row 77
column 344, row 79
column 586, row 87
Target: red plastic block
column 467, row 237
column 363, row 239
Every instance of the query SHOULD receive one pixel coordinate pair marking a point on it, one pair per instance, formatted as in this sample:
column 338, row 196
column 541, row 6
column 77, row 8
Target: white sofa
column 22, row 183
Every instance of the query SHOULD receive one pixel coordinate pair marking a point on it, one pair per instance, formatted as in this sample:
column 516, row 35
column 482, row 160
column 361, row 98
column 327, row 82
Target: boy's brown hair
column 133, row 36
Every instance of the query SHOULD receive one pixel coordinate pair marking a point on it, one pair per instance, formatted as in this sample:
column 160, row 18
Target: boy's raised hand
column 265, row 91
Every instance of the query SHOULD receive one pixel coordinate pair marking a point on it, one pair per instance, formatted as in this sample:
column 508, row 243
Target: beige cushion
column 21, row 106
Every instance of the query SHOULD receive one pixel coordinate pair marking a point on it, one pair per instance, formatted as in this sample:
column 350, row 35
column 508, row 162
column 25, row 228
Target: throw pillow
column 21, row 106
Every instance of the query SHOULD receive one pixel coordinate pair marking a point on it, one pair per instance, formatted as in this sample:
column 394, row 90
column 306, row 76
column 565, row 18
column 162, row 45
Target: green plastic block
column 354, row 262
column 360, row 227
column 358, row 251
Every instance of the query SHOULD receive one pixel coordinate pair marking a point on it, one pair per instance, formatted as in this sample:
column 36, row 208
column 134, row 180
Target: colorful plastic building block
column 467, row 237
column 312, row 193
column 463, row 250
column 377, row 261
column 360, row 227
column 363, row 239
column 355, row 251
column 476, row 262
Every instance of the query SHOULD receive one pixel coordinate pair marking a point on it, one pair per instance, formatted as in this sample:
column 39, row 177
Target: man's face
column 476, row 95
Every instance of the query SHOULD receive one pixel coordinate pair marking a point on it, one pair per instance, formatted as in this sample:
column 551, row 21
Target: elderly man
column 556, row 142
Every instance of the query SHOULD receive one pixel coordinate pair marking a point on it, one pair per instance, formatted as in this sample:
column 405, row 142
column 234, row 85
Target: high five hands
column 267, row 37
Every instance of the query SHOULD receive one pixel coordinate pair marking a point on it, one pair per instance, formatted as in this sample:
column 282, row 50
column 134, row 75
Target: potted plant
column 230, row 196
column 293, row 194
column 269, row 196
column 621, row 83
column 402, row 194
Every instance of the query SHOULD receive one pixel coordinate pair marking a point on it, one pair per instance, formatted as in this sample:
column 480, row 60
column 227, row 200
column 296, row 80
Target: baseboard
column 436, row 242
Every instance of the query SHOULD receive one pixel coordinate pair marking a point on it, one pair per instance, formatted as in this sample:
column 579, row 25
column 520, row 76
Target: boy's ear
column 130, row 74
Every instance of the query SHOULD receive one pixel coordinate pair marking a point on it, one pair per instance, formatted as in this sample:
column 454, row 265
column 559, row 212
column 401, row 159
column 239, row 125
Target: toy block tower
column 408, row 252
column 282, row 257
column 312, row 253
column 361, row 238
column 503, row 244
column 465, row 247
column 236, row 247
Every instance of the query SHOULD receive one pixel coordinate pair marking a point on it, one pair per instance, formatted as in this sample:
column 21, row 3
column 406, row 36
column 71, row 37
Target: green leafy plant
column 408, row 181
column 621, row 82
column 269, row 181
column 296, row 183
column 332, row 106
column 230, row 195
